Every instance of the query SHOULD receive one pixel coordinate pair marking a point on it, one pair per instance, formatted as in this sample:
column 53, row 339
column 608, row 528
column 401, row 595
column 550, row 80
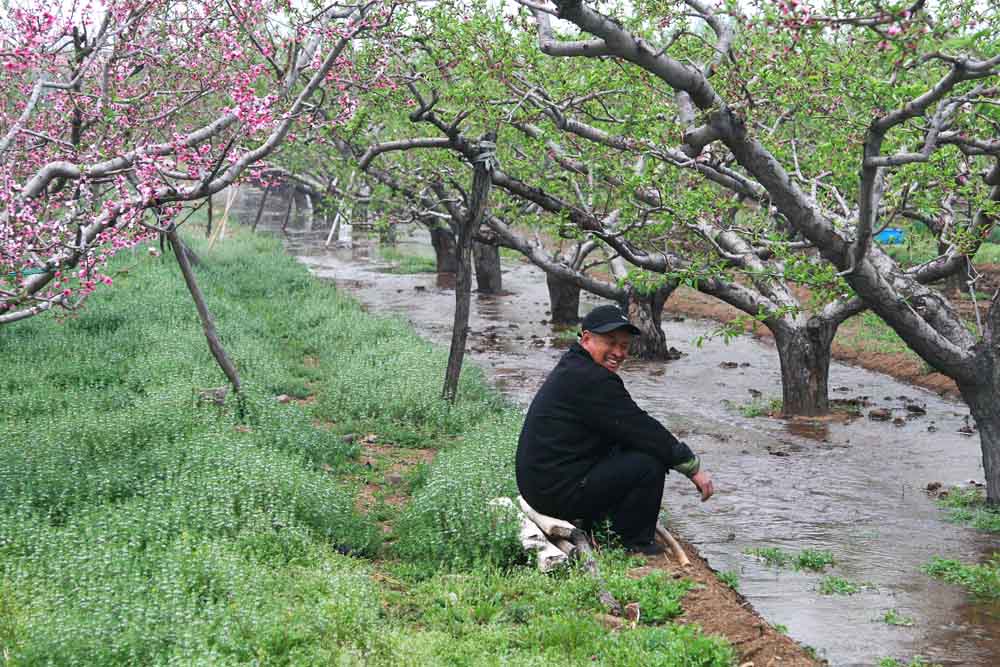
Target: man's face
column 608, row 349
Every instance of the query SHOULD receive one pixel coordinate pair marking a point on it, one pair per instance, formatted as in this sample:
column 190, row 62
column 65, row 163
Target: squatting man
column 588, row 452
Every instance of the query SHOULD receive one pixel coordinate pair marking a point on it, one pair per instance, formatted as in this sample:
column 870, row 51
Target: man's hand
column 703, row 481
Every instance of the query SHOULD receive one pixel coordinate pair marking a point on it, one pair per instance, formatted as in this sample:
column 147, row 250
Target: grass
column 730, row 578
column 405, row 263
column 922, row 247
column 982, row 581
column 511, row 255
column 968, row 505
column 989, row 253
column 873, row 334
column 893, row 617
column 141, row 525
column 807, row 559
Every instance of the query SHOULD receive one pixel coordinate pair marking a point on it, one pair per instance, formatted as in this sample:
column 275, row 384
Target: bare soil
column 720, row 610
column 387, row 464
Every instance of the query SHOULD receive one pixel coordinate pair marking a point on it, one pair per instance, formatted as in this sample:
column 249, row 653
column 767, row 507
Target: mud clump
column 880, row 414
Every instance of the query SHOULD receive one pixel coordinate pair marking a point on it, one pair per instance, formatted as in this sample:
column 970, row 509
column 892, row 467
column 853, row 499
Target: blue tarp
column 890, row 236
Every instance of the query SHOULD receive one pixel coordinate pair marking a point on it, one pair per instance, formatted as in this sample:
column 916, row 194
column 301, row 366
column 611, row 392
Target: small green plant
column 772, row 556
column 811, row 559
column 918, row 661
column 730, row 578
column 761, row 407
column 893, row 617
column 658, row 595
column 833, row 585
column 781, row 628
column 983, row 581
column 807, row 559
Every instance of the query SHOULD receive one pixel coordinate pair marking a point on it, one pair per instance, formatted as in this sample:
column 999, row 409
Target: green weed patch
column 968, row 505
column 983, row 581
column 807, row 559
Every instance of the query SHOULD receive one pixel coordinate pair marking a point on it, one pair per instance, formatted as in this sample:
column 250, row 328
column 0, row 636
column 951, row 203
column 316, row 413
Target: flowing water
column 855, row 487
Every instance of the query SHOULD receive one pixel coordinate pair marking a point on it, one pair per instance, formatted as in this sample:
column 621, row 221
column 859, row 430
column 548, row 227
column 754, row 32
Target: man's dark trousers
column 625, row 487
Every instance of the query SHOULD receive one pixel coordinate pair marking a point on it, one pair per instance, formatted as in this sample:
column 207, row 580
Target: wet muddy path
column 852, row 486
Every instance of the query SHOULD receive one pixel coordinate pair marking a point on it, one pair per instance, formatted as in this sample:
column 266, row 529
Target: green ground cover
column 983, row 581
column 406, row 263
column 968, row 505
column 141, row 525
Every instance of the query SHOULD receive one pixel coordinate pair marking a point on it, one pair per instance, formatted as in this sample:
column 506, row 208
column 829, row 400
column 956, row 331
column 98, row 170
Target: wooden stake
column 664, row 536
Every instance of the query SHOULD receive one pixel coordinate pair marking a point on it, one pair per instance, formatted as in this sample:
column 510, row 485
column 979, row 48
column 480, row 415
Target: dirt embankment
column 720, row 610
column 852, row 345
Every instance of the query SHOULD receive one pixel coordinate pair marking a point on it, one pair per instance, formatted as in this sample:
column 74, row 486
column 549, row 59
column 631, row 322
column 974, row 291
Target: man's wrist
column 689, row 468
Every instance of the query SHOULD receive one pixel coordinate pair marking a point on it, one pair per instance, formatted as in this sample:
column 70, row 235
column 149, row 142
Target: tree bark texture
column 288, row 211
column 260, row 208
column 208, row 225
column 983, row 397
column 303, row 209
column 564, row 300
column 478, row 200
column 487, row 260
column 207, row 322
column 646, row 312
column 445, row 248
column 804, row 353
column 984, row 403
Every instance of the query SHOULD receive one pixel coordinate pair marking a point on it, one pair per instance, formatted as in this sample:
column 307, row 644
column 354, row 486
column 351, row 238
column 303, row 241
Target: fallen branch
column 564, row 531
column 533, row 539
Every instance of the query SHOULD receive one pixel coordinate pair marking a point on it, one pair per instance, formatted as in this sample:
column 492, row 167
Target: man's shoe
column 647, row 549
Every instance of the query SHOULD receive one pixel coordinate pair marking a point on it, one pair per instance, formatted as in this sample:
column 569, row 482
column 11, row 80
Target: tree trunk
column 303, row 209
column 564, row 300
column 646, row 312
column 208, row 224
column 207, row 323
column 984, row 403
column 387, row 234
column 445, row 250
column 487, row 259
column 983, row 399
column 804, row 353
column 478, row 200
column 288, row 211
column 260, row 208
column 956, row 283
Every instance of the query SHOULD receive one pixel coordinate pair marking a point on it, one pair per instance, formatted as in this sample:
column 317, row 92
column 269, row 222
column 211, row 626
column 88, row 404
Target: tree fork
column 207, row 322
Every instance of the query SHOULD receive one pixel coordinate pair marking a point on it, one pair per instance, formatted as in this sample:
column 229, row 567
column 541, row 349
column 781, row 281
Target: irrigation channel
column 855, row 487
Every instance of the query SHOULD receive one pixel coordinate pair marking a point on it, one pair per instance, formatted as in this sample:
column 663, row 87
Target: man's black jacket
column 579, row 415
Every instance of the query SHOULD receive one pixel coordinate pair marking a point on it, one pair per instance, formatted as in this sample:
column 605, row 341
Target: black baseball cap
column 607, row 318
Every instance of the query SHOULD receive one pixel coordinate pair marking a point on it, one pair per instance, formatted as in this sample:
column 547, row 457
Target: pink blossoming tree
column 115, row 114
